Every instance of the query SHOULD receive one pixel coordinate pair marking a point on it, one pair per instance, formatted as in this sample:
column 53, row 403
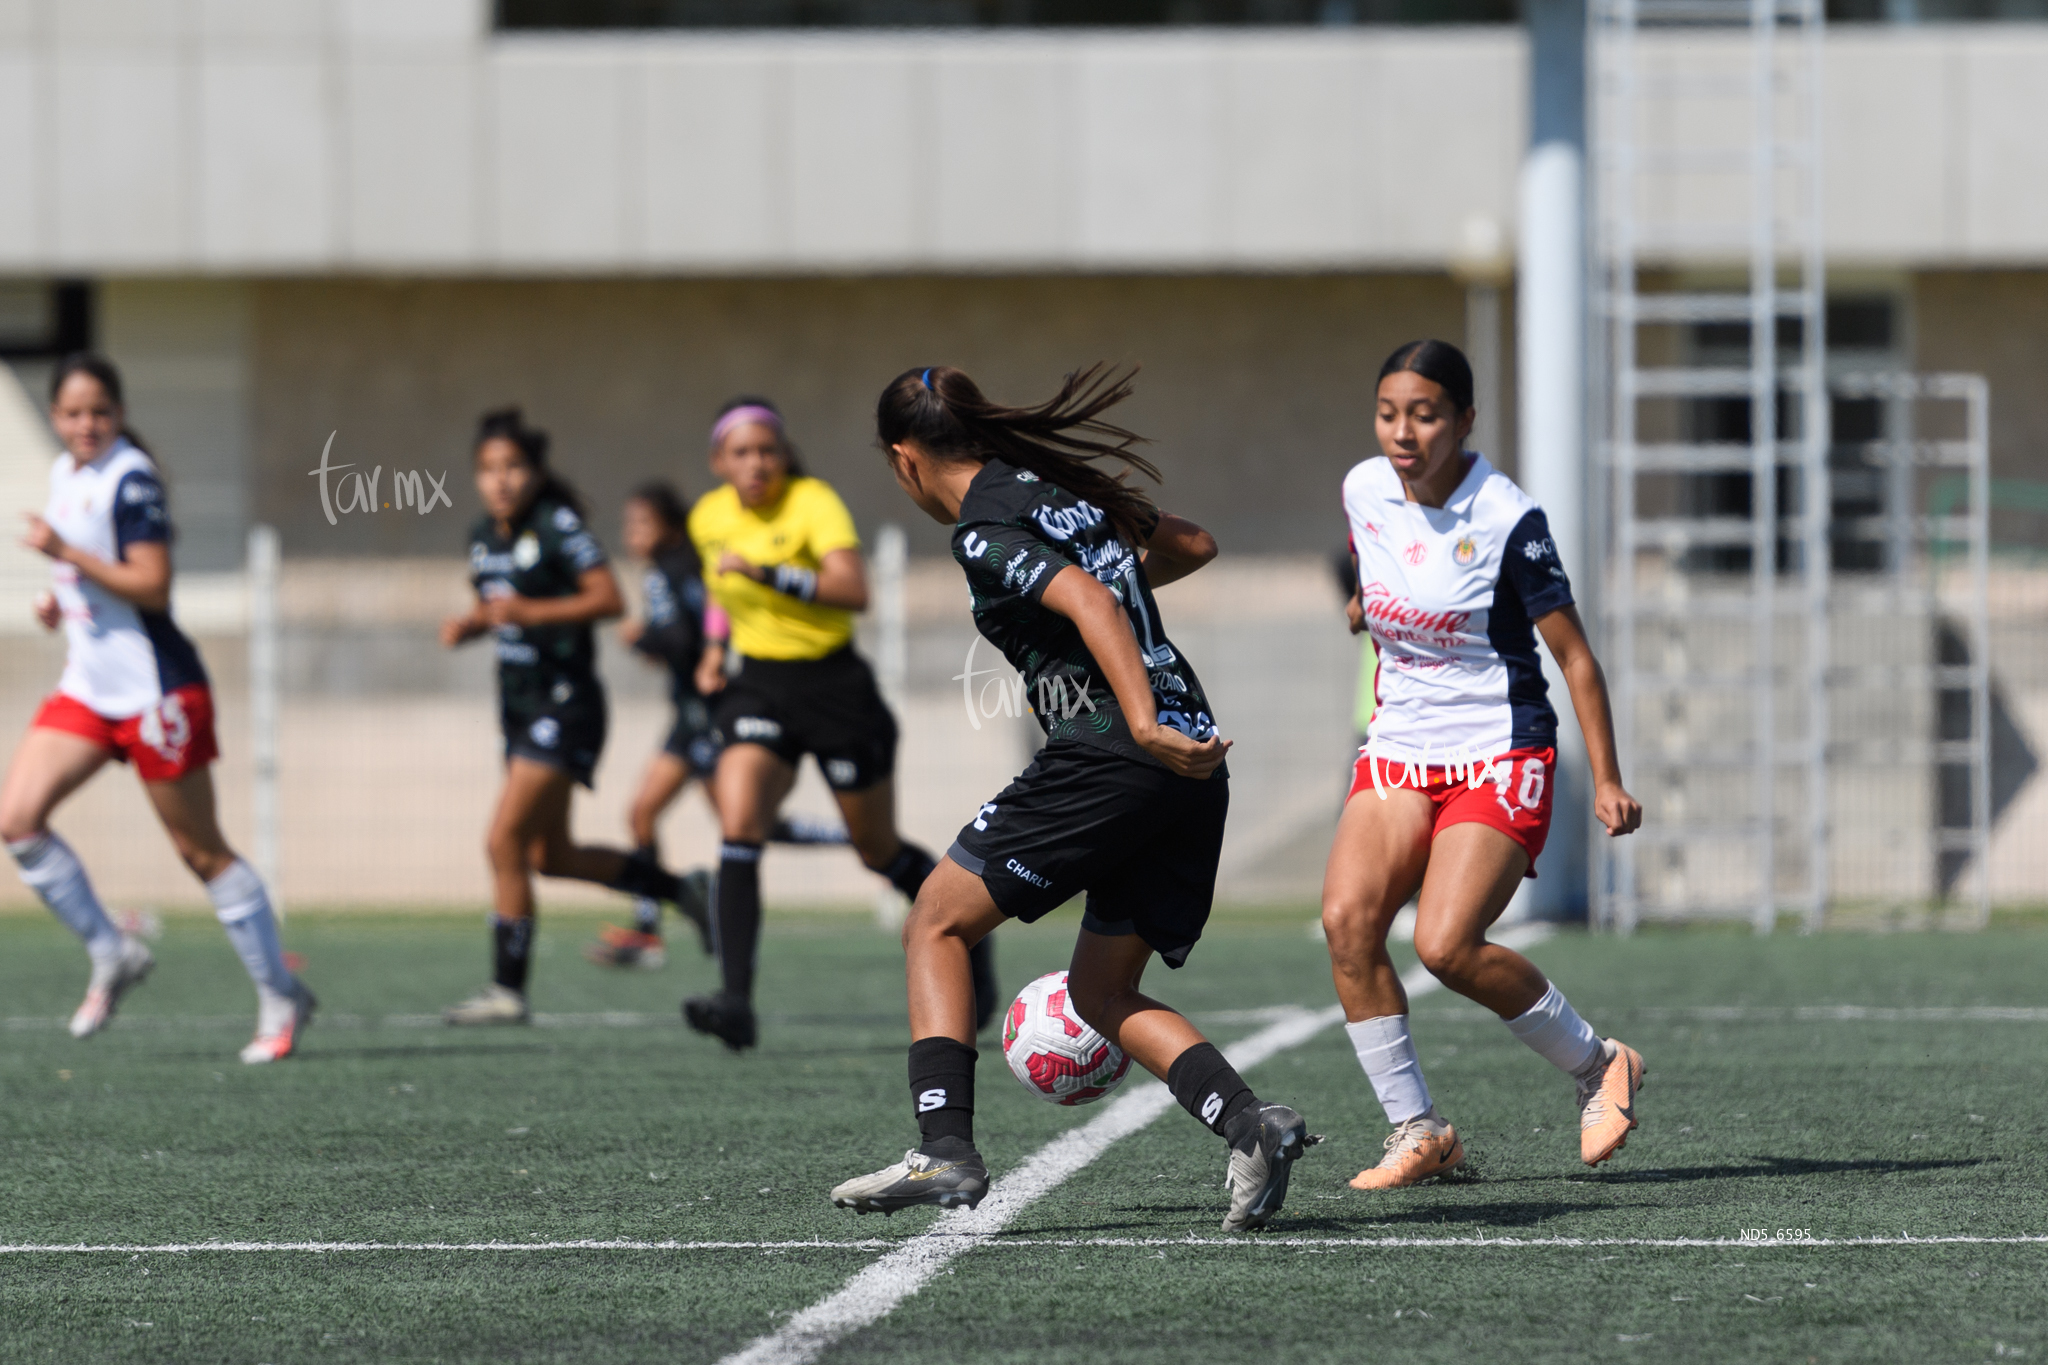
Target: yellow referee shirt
column 801, row 527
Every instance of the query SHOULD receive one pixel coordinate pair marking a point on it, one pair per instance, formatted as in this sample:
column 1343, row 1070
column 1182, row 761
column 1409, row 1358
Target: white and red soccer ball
column 1053, row 1052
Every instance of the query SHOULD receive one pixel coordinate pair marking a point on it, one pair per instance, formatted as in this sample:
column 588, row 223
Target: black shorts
column 565, row 732
column 1140, row 841
column 692, row 738
column 829, row 708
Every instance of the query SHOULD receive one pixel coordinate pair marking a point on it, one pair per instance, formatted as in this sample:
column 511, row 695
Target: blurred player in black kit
column 542, row 583
column 1125, row 802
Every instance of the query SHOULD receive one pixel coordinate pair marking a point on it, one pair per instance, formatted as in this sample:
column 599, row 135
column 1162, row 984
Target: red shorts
column 170, row 739
column 1511, row 793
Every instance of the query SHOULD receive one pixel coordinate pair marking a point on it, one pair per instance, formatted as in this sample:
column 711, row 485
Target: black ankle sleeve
column 942, row 1089
column 1209, row 1087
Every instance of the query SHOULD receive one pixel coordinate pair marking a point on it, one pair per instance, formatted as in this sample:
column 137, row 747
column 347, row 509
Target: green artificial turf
column 389, row 1129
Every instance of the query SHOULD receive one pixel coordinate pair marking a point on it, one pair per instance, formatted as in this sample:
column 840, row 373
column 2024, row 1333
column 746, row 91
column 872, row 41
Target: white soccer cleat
column 494, row 1004
column 279, row 1024
column 110, row 981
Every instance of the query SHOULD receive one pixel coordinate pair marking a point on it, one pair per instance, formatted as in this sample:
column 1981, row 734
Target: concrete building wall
column 1993, row 323
column 303, row 136
column 1255, row 389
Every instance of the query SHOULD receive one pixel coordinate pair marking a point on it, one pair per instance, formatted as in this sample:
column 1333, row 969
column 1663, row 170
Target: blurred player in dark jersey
column 542, row 583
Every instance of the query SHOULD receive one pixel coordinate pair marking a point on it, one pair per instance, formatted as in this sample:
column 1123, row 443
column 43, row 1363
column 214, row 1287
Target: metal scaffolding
column 1795, row 621
column 1706, row 133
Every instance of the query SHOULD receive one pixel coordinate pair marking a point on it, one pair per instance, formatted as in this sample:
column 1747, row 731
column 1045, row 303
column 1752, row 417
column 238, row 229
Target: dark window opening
column 716, row 14
column 39, row 319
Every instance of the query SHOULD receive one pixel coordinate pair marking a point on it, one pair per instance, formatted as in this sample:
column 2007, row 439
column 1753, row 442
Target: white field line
column 1190, row 1242
column 874, row 1293
column 1802, row 1014
column 1264, row 1014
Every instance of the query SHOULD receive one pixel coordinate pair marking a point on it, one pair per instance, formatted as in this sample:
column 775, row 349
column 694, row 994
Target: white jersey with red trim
column 1450, row 594
column 121, row 660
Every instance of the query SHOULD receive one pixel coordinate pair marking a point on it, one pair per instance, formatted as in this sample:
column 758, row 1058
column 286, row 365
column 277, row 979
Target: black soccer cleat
column 1260, row 1163
column 694, row 903
column 726, row 1018
column 917, row 1179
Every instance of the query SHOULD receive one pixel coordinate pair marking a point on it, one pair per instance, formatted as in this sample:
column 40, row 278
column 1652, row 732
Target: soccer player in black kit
column 542, row 582
column 1125, row 802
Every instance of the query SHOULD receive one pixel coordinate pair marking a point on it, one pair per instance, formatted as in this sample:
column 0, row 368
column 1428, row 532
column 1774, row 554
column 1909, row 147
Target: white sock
column 1553, row 1029
column 1387, row 1053
column 48, row 865
column 243, row 908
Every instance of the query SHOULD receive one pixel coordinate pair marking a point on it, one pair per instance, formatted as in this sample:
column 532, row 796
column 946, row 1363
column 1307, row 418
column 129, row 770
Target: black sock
column 739, row 916
column 511, row 951
column 1209, row 1087
column 647, row 913
column 942, row 1092
column 641, row 875
column 909, row 869
column 981, row 959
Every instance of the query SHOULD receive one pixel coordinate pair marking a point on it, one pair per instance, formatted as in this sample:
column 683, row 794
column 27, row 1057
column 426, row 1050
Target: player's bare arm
column 143, row 577
column 1177, row 548
column 1095, row 612
column 597, row 598
column 1565, row 636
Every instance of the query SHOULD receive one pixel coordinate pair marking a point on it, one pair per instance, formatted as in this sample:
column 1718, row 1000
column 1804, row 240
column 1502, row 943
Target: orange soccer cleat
column 1607, row 1108
column 618, row 947
column 1415, row 1152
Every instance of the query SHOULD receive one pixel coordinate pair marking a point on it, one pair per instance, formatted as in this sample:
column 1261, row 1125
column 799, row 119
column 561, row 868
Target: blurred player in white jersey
column 133, row 691
column 1452, row 792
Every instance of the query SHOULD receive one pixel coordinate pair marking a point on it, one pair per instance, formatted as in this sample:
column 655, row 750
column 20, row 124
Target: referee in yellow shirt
column 784, row 561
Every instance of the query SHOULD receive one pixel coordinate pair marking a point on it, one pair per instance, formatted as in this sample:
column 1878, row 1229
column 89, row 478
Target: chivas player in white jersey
column 133, row 691
column 1451, row 798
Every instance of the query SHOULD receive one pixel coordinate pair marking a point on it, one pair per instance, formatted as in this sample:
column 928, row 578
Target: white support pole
column 1550, row 356
column 891, row 559
column 263, row 699
column 892, row 556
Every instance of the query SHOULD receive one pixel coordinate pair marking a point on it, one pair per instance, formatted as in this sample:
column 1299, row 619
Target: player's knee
column 1353, row 924
column 16, row 825
column 877, row 854
column 1449, row 959
column 504, row 848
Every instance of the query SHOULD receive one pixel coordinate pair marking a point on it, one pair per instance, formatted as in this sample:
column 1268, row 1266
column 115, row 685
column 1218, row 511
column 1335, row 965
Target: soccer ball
column 1053, row 1052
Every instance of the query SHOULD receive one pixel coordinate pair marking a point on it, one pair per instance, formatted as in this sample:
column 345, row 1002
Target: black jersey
column 1014, row 533
column 546, row 555
column 674, row 633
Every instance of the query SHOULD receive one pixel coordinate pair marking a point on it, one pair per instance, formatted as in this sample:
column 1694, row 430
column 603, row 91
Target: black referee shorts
column 829, row 708
column 1141, row 842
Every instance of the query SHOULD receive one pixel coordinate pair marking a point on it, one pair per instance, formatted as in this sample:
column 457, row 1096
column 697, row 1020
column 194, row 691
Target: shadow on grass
column 1144, row 1222
column 1765, row 1167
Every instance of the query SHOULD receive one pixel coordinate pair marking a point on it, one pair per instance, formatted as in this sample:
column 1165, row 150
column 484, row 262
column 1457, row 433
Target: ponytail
column 102, row 371
column 944, row 413
column 509, row 424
